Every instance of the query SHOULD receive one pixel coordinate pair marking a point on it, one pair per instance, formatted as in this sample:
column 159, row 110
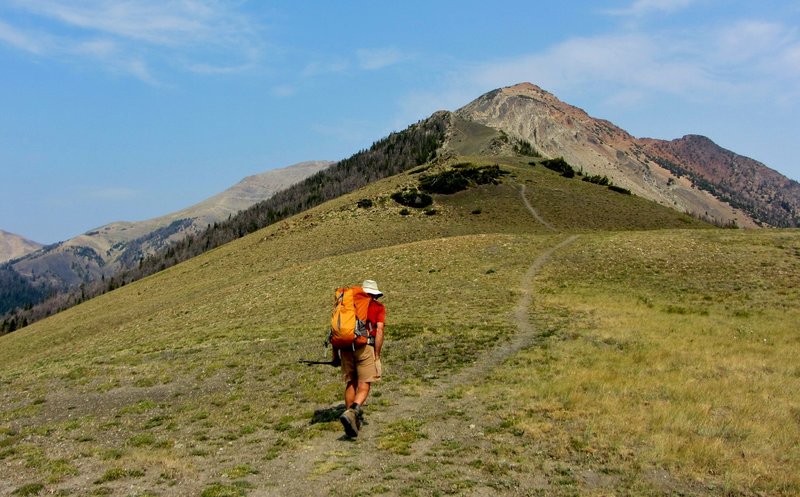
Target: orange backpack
column 349, row 319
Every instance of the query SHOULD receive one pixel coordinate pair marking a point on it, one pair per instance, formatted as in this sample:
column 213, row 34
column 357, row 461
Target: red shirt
column 376, row 313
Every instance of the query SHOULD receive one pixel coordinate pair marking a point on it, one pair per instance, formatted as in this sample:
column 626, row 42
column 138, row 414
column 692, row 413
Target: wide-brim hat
column 371, row 288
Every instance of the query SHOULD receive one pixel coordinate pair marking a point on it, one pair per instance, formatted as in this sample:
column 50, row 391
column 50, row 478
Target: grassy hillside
column 522, row 358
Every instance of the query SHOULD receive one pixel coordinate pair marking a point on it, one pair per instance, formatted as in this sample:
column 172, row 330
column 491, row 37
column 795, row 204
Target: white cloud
column 21, row 40
column 378, row 58
column 164, row 23
column 753, row 39
column 635, row 61
column 644, row 7
column 284, row 91
column 137, row 35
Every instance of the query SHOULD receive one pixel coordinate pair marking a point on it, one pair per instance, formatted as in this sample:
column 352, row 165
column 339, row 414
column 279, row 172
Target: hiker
column 361, row 364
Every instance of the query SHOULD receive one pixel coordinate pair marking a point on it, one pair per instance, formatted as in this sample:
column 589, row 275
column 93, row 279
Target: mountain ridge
column 741, row 181
column 598, row 146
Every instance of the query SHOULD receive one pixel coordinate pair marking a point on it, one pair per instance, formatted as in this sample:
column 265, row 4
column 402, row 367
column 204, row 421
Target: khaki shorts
column 360, row 365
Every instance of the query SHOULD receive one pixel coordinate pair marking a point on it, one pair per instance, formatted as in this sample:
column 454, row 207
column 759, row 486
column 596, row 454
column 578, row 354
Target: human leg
column 361, row 394
column 350, row 393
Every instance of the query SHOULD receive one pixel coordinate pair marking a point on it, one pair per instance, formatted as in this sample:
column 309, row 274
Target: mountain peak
column 691, row 173
column 13, row 246
column 528, row 89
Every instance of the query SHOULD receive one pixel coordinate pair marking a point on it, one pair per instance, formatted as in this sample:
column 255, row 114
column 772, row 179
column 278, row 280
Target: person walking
column 361, row 365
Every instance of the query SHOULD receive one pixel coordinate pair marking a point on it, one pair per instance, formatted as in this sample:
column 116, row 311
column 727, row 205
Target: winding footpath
column 297, row 472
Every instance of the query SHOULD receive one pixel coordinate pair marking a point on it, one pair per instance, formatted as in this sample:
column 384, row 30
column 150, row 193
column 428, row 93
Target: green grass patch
column 118, row 473
column 29, row 489
column 240, row 471
column 222, row 490
column 398, row 437
column 142, row 440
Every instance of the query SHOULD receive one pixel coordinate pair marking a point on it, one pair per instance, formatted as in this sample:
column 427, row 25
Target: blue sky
column 126, row 110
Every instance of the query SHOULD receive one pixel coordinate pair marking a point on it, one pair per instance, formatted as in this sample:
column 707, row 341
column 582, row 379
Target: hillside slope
column 522, row 356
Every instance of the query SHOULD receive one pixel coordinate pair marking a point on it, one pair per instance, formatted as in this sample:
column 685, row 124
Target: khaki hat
column 371, row 288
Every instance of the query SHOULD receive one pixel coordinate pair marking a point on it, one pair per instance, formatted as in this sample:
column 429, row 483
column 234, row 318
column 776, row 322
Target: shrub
column 559, row 165
column 597, row 180
column 412, row 198
column 430, row 212
column 619, row 189
column 404, row 212
column 524, row 147
column 460, row 177
column 445, row 182
column 364, row 203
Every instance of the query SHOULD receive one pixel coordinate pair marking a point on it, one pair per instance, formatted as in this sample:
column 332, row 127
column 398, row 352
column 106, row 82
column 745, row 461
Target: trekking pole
column 308, row 362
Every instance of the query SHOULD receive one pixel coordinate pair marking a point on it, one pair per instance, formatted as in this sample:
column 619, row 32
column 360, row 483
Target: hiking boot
column 350, row 422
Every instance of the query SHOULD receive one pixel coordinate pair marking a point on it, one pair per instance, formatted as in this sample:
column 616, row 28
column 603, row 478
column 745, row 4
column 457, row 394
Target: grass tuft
column 29, row 489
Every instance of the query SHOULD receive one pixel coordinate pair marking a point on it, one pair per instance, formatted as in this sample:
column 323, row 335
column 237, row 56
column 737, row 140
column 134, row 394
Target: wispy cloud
column 25, row 41
column 134, row 36
column 378, row 58
column 283, row 91
column 645, row 7
column 629, row 61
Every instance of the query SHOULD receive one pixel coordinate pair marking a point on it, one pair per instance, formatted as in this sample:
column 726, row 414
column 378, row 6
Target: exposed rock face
column 106, row 250
column 13, row 246
column 599, row 147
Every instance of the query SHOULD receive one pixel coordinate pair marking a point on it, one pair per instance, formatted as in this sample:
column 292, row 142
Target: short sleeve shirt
column 376, row 313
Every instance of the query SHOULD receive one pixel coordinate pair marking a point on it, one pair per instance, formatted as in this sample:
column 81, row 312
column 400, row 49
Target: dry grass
column 675, row 352
column 188, row 380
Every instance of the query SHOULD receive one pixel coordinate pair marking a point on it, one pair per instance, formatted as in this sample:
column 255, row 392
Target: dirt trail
column 326, row 462
column 533, row 211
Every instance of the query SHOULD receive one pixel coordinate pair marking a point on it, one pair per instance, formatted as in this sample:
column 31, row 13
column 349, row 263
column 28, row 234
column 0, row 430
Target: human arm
column 378, row 340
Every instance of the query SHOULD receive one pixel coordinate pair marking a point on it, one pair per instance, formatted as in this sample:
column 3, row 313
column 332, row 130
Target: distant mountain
column 14, row 246
column 691, row 174
column 766, row 195
column 105, row 251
